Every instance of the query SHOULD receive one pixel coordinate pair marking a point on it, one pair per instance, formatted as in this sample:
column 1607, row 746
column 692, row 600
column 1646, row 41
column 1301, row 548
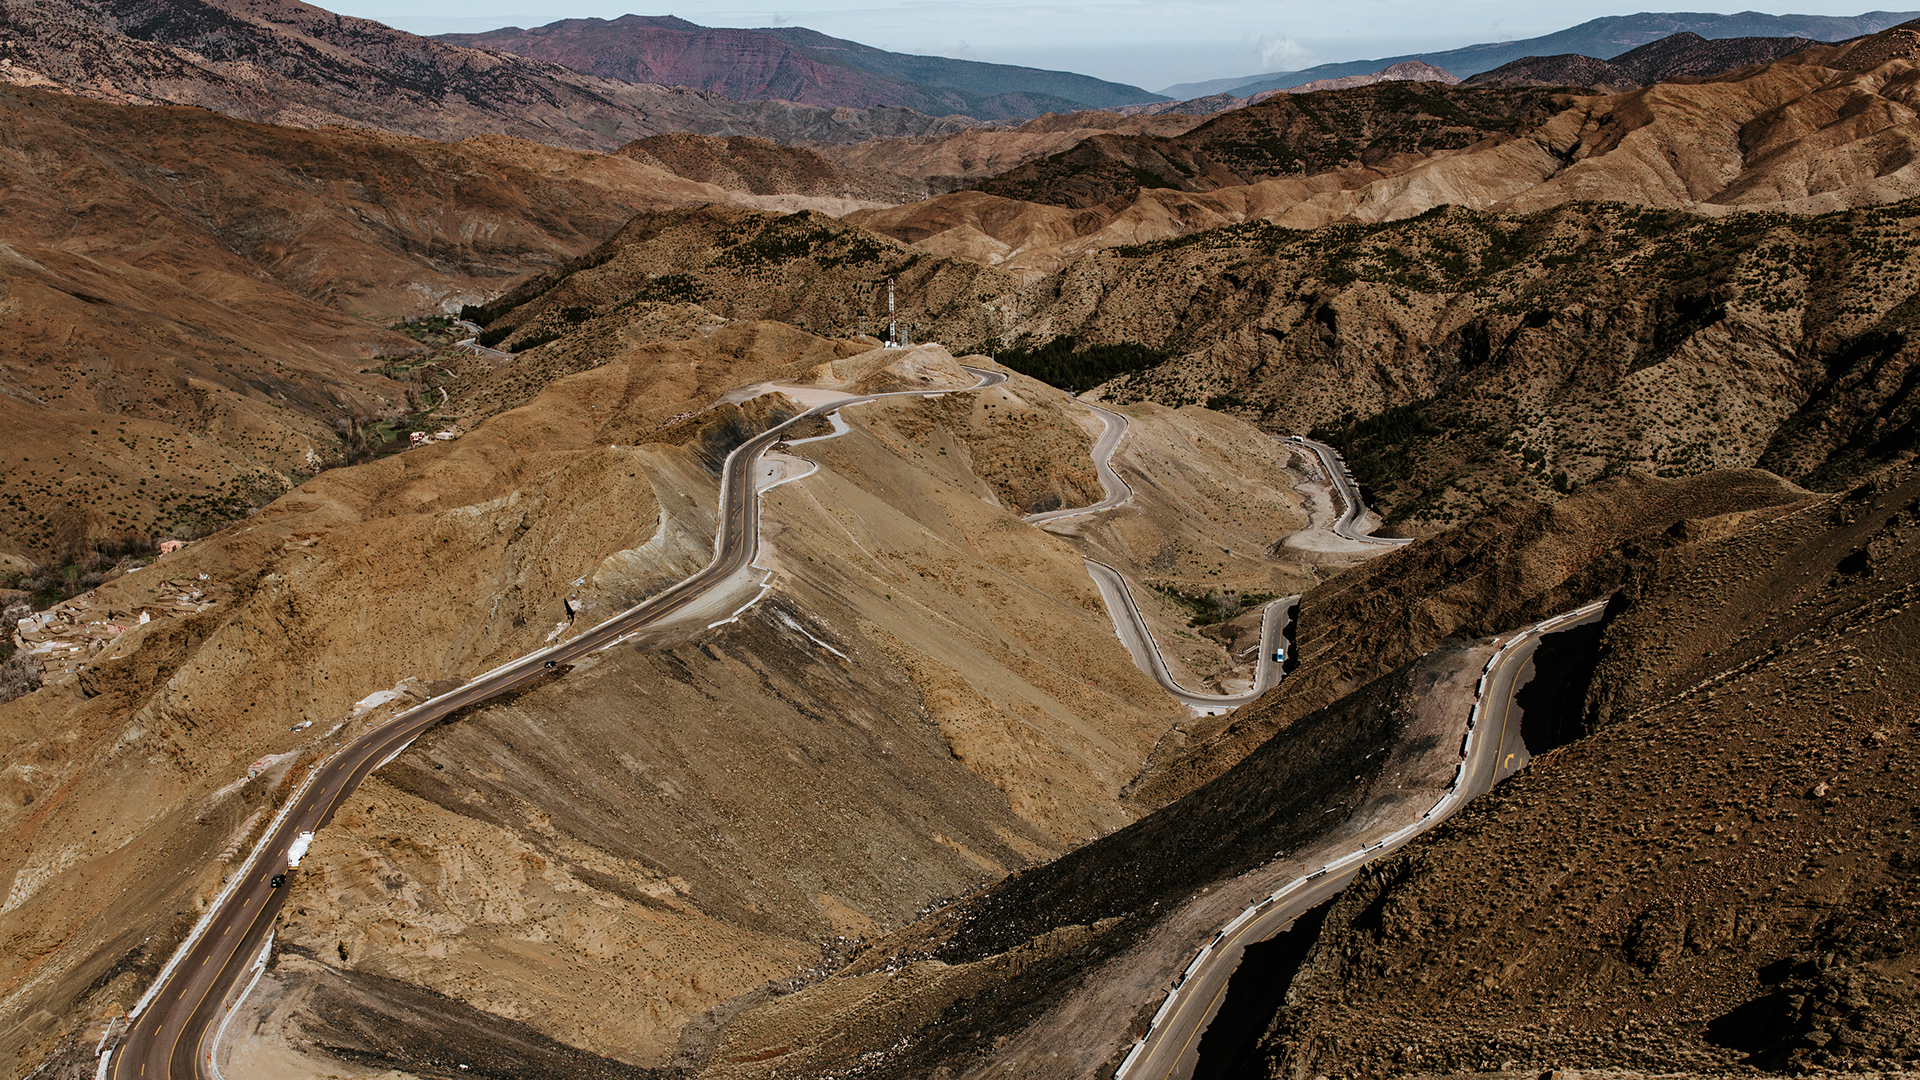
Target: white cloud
column 1281, row 53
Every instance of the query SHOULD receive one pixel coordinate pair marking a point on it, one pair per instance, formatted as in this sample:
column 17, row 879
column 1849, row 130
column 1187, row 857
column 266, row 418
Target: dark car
column 277, row 881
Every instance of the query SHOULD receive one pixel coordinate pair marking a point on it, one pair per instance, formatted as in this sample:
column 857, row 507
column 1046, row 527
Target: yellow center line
column 174, row 1047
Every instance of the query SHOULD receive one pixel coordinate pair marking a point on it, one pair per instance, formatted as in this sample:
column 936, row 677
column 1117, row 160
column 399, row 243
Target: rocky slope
column 1286, row 135
column 923, row 651
column 1013, row 977
column 954, row 160
column 1529, row 353
column 799, row 65
column 287, row 62
column 806, row 269
column 1682, row 55
column 1747, row 899
column 761, row 167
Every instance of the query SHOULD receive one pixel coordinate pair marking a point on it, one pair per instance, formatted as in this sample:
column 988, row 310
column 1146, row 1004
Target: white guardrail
column 1367, row 852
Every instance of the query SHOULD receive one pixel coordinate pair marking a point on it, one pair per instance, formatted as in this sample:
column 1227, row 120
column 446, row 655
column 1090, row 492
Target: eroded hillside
column 1023, row 974
column 923, row 651
column 287, row 62
column 196, row 309
column 1823, row 129
column 1464, row 358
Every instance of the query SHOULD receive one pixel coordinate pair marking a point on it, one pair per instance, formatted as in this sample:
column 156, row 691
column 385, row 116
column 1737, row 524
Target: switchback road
column 1493, row 751
column 168, row 1033
column 1129, row 624
column 1134, row 634
column 1348, row 492
column 1117, row 490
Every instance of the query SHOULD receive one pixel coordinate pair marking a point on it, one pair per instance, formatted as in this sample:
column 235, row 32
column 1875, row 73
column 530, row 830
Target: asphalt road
column 168, row 1037
column 473, row 342
column 1127, row 621
column 1494, row 752
column 1352, row 509
column 1118, row 491
column 1139, row 641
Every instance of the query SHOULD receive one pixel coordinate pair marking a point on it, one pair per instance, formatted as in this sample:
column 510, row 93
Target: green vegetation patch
column 1063, row 362
column 760, row 242
column 1215, row 605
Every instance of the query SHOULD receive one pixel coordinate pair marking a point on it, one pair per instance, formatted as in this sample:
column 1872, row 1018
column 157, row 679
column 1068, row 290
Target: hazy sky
column 1131, row 41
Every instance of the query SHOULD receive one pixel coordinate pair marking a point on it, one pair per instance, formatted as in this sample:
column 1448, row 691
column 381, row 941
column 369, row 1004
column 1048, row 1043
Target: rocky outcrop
column 1717, row 876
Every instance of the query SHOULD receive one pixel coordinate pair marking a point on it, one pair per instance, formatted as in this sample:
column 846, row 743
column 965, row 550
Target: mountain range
column 1602, row 38
column 288, row 62
column 801, row 65
column 1680, row 55
column 895, row 801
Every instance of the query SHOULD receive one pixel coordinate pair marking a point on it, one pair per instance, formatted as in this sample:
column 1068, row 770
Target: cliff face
column 286, row 62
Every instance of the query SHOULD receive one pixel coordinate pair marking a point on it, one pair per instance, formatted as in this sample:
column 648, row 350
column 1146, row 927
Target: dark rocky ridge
column 1682, row 55
column 1287, row 135
column 1604, row 37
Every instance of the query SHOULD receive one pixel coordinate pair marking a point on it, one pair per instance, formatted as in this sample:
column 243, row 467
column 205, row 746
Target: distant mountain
column 1603, row 39
column 801, row 65
column 1405, row 71
column 1684, row 54
column 287, row 62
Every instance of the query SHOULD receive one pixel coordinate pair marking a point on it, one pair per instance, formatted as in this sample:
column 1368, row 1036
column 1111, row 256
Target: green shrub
column 1063, row 363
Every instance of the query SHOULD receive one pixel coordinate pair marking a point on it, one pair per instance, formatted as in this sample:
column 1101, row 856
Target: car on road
column 276, row 881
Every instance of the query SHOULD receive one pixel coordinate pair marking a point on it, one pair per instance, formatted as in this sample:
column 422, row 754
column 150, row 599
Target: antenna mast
column 893, row 334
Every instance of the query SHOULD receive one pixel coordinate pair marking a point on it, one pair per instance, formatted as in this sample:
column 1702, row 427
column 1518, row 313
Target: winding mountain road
column 167, row 1035
column 1348, row 492
column 1493, row 751
column 1117, row 491
column 1131, row 626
